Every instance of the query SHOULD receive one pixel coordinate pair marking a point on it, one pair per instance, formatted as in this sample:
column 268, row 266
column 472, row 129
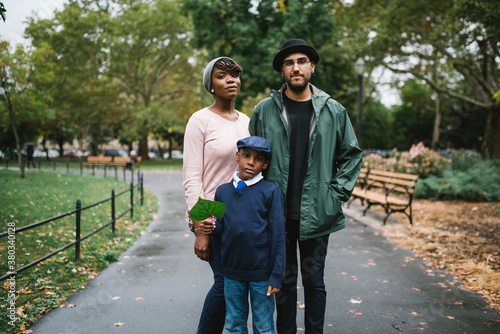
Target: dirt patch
column 459, row 237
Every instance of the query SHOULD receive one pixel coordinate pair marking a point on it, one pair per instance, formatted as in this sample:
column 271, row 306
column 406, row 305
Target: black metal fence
column 73, row 167
column 77, row 212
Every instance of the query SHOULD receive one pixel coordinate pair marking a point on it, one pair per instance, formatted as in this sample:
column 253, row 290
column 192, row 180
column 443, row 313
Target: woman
column 209, row 161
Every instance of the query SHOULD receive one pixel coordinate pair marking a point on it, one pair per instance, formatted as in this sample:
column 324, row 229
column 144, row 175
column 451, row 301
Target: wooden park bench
column 393, row 191
column 109, row 161
column 97, row 160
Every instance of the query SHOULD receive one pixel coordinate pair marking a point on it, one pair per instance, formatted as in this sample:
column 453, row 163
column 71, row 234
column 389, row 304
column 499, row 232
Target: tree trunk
column 491, row 142
column 143, row 148
column 14, row 130
column 437, row 123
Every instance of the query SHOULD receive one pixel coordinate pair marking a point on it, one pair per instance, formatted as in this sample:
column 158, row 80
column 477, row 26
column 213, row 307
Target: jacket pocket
column 332, row 203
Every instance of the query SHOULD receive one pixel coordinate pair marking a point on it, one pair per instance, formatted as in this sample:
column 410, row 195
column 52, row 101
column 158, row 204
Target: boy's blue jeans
column 312, row 266
column 214, row 308
column 237, row 306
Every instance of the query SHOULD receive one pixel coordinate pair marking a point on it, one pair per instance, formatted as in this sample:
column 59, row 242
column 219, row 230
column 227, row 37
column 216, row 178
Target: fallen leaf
column 118, row 324
column 398, row 328
column 67, row 305
column 355, row 301
column 450, row 317
column 116, row 298
column 139, row 298
column 416, row 289
column 302, row 305
column 415, row 313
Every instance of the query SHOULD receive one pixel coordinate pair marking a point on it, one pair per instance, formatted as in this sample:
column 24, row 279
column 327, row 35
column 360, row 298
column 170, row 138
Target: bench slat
column 378, row 187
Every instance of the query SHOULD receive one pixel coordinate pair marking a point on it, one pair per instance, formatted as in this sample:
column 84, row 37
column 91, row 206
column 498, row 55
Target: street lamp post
column 360, row 69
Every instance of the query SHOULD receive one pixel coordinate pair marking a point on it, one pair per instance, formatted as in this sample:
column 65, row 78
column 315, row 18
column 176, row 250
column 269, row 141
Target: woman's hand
column 272, row 289
column 201, row 242
column 202, row 246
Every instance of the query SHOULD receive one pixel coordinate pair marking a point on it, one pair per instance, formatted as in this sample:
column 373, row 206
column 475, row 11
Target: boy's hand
column 272, row 289
column 207, row 226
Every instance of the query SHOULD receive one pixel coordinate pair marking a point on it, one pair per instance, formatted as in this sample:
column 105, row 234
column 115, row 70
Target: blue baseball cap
column 257, row 143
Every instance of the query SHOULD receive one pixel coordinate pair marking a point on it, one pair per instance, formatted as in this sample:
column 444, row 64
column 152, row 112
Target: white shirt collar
column 250, row 182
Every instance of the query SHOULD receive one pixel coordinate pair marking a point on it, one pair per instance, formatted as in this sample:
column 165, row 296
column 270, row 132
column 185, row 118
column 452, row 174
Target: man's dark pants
column 312, row 267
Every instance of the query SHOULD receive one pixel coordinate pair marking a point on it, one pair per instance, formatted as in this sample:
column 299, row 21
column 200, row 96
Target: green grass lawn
column 41, row 195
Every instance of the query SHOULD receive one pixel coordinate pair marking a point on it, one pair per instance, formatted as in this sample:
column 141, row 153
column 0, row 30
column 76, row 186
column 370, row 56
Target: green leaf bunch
column 205, row 208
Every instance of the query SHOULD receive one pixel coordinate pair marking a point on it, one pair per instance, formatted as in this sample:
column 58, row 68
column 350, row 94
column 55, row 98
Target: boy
column 252, row 239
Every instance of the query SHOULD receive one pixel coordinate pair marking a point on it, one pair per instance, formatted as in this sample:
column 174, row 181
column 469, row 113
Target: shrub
column 479, row 182
column 466, row 176
column 419, row 160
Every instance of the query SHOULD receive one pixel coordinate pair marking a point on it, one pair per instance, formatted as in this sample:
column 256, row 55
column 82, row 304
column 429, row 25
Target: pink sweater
column 210, row 153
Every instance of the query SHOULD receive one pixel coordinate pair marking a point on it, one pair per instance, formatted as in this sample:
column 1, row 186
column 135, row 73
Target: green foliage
column 377, row 127
column 466, row 177
column 205, row 208
column 24, row 77
column 87, row 103
column 2, row 11
column 41, row 195
column 413, row 120
column 451, row 45
column 252, row 32
column 479, row 182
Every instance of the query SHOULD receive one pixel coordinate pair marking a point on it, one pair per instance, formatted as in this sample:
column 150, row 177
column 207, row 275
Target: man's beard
column 297, row 87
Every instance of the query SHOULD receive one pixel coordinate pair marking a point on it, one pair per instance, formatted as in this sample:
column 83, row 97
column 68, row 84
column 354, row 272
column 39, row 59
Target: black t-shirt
column 299, row 118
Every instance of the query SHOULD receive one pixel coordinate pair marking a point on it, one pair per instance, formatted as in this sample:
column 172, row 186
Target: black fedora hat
column 293, row 46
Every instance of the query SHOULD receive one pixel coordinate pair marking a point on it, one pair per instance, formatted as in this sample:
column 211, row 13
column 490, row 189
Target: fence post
column 131, row 200
column 78, row 221
column 67, row 166
column 124, row 175
column 116, row 173
column 54, row 166
column 113, row 215
column 142, row 188
column 105, row 170
column 93, row 169
column 81, row 168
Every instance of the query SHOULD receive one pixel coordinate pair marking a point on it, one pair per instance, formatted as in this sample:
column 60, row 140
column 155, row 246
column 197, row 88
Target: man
column 316, row 161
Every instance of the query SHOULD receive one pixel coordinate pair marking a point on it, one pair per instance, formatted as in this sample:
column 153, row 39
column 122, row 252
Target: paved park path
column 374, row 286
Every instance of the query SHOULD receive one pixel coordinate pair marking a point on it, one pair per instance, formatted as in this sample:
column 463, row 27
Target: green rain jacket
column 334, row 159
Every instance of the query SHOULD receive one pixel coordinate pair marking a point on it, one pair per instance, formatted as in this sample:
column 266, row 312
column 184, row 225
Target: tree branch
column 441, row 89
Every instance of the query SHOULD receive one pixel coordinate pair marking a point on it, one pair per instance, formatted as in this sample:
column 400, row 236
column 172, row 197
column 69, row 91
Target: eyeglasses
column 291, row 63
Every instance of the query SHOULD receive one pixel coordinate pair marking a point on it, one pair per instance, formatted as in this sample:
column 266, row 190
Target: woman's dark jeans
column 312, row 265
column 214, row 308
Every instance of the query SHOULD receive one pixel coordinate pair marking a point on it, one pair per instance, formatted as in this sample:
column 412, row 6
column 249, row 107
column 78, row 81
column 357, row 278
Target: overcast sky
column 17, row 13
